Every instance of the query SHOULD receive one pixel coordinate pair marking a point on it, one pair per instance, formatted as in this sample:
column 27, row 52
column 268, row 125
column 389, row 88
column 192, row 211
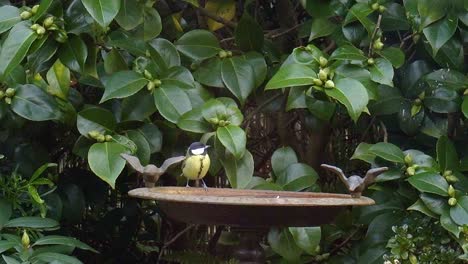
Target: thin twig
column 377, row 26
column 248, row 119
column 216, row 18
column 405, row 39
column 168, row 243
column 272, row 36
column 344, row 242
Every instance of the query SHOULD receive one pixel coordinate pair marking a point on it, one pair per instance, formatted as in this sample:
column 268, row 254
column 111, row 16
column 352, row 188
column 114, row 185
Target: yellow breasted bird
column 196, row 163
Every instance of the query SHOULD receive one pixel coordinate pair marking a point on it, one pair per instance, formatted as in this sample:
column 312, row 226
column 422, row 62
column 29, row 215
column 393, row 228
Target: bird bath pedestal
column 249, row 210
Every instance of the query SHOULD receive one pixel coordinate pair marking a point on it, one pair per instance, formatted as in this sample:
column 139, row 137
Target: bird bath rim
column 239, row 197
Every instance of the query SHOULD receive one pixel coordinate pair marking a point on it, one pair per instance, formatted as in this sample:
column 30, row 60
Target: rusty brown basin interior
column 248, row 208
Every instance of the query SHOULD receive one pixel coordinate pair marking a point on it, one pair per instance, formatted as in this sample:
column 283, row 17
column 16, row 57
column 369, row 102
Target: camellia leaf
column 122, row 84
column 238, row 76
column 172, row 102
column 74, row 53
column 105, row 161
column 62, row 240
column 323, row 110
column 447, row 78
column 382, row 72
column 465, row 106
column 225, row 9
column 233, row 138
column 209, row 73
column 459, row 212
column 440, row 32
column 393, row 55
column 103, row 11
column 5, row 212
column 34, row 104
column 259, row 66
column 348, row 52
column 388, row 151
column 291, row 75
column 447, row 223
column 239, row 171
column 130, row 14
column 10, row 260
column 297, row 177
column 394, row 18
column 151, row 26
column 143, row 151
column 95, row 118
column 430, row 182
column 442, row 100
column 15, row 47
column 198, row 44
column 421, row 207
column 193, row 121
column 168, row 55
column 352, row 94
column 281, row 159
column 282, row 242
column 307, row 238
column 114, row 62
column 431, row 11
column 50, row 257
column 249, row 34
column 321, row 27
column 360, row 11
column 362, row 153
column 32, row 222
column 58, row 78
column 446, row 154
column 9, row 16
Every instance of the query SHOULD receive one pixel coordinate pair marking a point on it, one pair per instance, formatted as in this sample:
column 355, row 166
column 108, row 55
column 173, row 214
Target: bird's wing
column 372, row 173
column 134, row 162
column 171, row 161
column 338, row 172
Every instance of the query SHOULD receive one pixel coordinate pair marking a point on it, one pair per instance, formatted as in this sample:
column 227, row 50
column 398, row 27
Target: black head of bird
column 356, row 184
column 198, row 148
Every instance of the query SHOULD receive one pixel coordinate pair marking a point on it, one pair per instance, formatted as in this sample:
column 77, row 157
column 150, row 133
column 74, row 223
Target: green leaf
column 431, row 11
column 321, row 27
column 15, row 47
column 34, row 194
column 382, row 72
column 451, row 55
column 95, row 118
column 297, row 177
column 5, row 212
column 464, row 106
column 362, row 153
column 291, row 75
column 440, row 32
column 434, row 203
column 153, row 135
column 361, row 11
column 138, row 107
column 198, row 44
column 7, row 245
column 421, row 207
column 394, row 18
column 10, row 260
column 394, row 55
column 282, row 242
column 74, row 53
column 429, row 182
column 32, row 222
column 442, row 100
column 307, row 238
column 259, row 66
column 44, row 6
column 388, row 101
column 459, row 212
column 51, row 257
column 281, row 159
column 122, row 84
column 249, row 34
column 446, row 154
column 323, row 110
column 238, row 76
column 233, row 138
column 447, row 78
column 352, row 94
column 209, row 73
column 58, row 78
column 130, row 14
column 296, row 98
column 388, row 151
column 143, row 148
column 114, row 62
column 222, row 110
column 167, row 54
column 105, row 161
column 34, row 104
column 348, row 52
column 172, row 102
column 151, row 27
column 9, row 16
column 103, row 11
column 239, row 171
column 193, row 121
column 447, row 223
column 62, row 240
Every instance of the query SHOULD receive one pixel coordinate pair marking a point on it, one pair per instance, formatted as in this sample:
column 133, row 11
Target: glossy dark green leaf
column 281, row 159
column 431, row 11
column 138, row 107
column 209, row 73
column 297, row 177
column 114, row 62
column 122, row 84
column 421, row 207
column 446, row 154
column 388, row 151
column 352, row 94
column 33, row 103
column 362, row 153
column 348, row 52
column 408, row 123
column 239, row 171
column 307, row 238
column 151, row 26
column 389, row 101
column 233, row 139
column 81, row 147
column 282, row 243
column 434, row 202
column 5, row 212
column 105, row 161
column 6, row 245
column 447, row 223
column 440, row 32
column 259, row 66
column 321, row 27
column 168, row 56
column 9, row 16
column 394, row 18
column 222, row 110
column 447, row 78
column 239, row 77
column 360, row 11
column 172, row 102
column 390, row 175
column 429, row 182
column 103, row 11
column 451, row 55
column 464, row 106
column 394, row 55
column 44, row 6
column 410, row 74
column 49, row 257
column 74, row 53
column 153, row 135
column 95, row 118
column 130, row 14
column 442, row 100
column 296, row 98
column 193, row 121
column 258, row 183
column 382, row 72
column 15, row 47
column 62, row 240
column 421, row 159
column 459, row 212
column 10, row 260
column 323, row 110
column 58, row 78
column 249, row 34
column 198, row 44
column 291, row 75
column 143, row 148
column 32, row 222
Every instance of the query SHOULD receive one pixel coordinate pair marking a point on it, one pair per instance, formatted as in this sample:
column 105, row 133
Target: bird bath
column 249, row 210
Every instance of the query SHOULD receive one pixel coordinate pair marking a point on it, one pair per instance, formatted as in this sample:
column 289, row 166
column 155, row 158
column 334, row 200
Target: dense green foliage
column 277, row 87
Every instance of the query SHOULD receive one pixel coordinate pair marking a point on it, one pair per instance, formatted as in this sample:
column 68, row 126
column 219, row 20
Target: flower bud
column 451, row 178
column 447, row 173
column 222, row 123
column 148, row 75
column 41, row 30
column 370, row 61
column 25, row 15
column 375, row 6
column 222, row 54
column 35, row 27
column 101, row 138
column 318, row 82
column 451, row 191
column 323, row 62
column 8, row 100
column 229, row 53
column 10, row 92
column 150, row 86
column 411, row 171
column 413, row 259
column 94, row 134
column 322, row 75
column 25, row 241
column 157, row 82
column 416, row 38
column 378, row 45
column 34, row 9
column 108, row 138
column 382, row 9
column 49, row 21
column 61, row 36
column 214, row 120
column 408, row 159
column 329, row 84
column 465, row 92
column 452, row 201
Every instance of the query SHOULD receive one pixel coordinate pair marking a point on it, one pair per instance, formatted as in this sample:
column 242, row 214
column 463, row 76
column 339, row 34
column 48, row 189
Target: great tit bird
column 196, row 163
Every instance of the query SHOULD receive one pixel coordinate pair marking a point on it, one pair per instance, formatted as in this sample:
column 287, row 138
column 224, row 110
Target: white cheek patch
column 198, row 151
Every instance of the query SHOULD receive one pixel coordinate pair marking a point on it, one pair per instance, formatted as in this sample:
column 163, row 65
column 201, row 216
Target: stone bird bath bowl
column 249, row 210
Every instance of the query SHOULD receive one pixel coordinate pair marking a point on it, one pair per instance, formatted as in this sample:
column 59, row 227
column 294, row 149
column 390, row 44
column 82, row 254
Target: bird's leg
column 187, row 185
column 204, row 185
